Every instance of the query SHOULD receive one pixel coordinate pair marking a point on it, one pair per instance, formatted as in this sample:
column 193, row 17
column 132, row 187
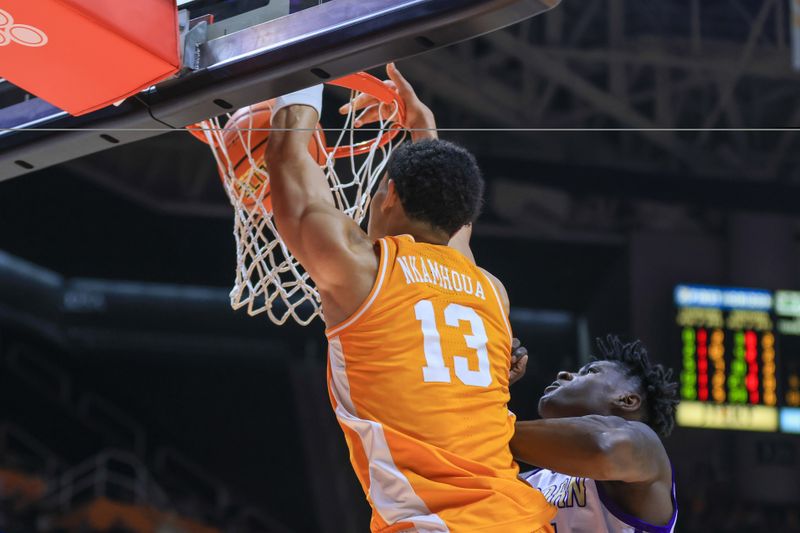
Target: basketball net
column 268, row 277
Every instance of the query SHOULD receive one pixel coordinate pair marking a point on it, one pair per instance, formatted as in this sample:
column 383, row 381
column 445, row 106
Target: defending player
column 597, row 445
column 419, row 341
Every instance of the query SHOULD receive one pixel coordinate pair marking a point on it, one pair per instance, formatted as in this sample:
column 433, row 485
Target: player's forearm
column 296, row 181
column 561, row 445
column 598, row 447
column 424, row 126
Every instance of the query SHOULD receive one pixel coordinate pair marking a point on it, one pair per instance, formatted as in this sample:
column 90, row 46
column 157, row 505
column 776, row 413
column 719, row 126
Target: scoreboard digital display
column 740, row 358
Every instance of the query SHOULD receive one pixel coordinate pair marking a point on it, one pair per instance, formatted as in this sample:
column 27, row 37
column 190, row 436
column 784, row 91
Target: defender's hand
column 519, row 361
column 419, row 117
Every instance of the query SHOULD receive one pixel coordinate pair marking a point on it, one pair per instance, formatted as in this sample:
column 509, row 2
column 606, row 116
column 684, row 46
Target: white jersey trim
column 499, row 304
column 391, row 494
column 384, row 261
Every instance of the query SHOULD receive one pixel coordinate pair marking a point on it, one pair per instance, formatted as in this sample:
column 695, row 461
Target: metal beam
column 726, row 92
column 604, row 101
column 605, row 71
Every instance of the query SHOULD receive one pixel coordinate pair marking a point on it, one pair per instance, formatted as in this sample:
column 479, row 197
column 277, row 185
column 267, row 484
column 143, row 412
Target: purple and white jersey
column 584, row 507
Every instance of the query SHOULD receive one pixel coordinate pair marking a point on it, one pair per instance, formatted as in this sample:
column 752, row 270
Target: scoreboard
column 740, row 358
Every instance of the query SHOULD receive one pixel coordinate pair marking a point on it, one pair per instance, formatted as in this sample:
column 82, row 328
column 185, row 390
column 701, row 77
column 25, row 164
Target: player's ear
column 629, row 402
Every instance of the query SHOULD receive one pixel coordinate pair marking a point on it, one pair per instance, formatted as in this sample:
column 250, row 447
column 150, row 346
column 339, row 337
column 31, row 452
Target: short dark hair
column 659, row 391
column 438, row 182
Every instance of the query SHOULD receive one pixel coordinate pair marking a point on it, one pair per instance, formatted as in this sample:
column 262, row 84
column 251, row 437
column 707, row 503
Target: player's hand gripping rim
column 419, row 117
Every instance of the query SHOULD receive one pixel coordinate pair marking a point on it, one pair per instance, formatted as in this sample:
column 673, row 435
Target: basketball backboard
column 238, row 52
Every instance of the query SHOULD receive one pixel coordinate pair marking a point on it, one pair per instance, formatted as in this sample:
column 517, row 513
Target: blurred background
column 131, row 394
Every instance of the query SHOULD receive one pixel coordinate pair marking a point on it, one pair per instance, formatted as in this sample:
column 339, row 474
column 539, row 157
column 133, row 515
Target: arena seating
column 97, row 477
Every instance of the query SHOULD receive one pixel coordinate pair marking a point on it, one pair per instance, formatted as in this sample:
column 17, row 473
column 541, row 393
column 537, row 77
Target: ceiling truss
column 600, row 64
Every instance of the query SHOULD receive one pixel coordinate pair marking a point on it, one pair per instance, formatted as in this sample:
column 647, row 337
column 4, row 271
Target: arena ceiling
column 669, row 70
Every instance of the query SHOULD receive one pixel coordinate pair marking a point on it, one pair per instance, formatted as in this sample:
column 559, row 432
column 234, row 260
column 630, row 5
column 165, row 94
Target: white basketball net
column 268, row 278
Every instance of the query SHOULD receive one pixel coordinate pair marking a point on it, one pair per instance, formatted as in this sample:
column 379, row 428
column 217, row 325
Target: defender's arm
column 604, row 448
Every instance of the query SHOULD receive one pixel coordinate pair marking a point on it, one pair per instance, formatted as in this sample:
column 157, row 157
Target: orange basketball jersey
column 418, row 378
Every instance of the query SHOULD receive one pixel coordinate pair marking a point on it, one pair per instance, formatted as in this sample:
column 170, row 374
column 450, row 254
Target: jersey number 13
column 435, row 370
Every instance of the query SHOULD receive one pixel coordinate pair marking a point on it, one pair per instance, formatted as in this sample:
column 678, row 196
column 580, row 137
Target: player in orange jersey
column 419, row 339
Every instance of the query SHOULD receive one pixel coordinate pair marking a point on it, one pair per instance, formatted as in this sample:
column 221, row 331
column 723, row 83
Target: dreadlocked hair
column 660, row 392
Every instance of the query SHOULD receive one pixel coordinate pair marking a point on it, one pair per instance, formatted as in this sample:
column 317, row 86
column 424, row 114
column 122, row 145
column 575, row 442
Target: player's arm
column 460, row 241
column 326, row 242
column 502, row 293
column 519, row 354
column 604, row 448
column 421, row 121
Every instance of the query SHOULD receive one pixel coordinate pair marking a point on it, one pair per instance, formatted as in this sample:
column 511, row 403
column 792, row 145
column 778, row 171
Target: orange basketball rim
column 360, row 82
